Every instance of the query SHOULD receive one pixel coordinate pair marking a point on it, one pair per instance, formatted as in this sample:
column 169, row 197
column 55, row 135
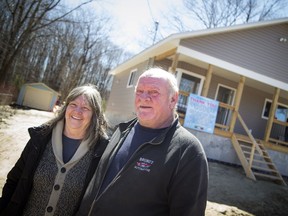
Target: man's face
column 153, row 103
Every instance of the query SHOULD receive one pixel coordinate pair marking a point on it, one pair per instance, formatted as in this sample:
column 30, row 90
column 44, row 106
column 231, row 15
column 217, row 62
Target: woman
column 59, row 160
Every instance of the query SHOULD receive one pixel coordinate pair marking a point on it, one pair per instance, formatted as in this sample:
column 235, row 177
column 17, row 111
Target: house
column 38, row 96
column 245, row 69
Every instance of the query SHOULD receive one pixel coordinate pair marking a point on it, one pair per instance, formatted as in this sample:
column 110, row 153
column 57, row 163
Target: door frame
column 179, row 73
column 227, row 114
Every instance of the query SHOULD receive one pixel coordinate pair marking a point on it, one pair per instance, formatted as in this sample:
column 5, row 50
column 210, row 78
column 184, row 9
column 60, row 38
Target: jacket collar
column 126, row 127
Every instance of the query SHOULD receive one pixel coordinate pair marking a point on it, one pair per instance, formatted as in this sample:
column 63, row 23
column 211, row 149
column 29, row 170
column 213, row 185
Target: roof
column 42, row 86
column 173, row 41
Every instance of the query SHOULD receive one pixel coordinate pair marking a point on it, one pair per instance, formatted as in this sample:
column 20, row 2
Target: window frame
column 131, row 78
column 179, row 73
column 263, row 116
column 219, row 85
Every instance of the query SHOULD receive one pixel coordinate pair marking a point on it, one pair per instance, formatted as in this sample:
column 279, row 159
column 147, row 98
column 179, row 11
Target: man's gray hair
column 160, row 73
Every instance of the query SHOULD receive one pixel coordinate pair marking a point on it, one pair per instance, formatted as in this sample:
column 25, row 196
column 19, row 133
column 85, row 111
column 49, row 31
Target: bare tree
column 91, row 54
column 61, row 49
column 21, row 20
column 220, row 13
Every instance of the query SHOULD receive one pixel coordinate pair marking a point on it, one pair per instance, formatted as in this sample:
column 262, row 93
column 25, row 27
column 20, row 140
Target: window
column 131, row 78
column 281, row 112
column 189, row 82
column 226, row 95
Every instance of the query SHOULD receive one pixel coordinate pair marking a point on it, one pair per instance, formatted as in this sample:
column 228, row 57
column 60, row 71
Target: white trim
column 45, row 87
column 245, row 26
column 231, row 67
column 180, row 71
column 227, row 113
column 173, row 40
column 265, row 104
column 227, row 87
column 131, row 78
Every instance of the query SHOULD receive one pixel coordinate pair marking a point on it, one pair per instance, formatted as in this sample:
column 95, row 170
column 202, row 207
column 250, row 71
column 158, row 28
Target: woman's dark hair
column 98, row 125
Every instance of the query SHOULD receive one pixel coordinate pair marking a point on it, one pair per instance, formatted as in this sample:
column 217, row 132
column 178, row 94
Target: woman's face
column 78, row 116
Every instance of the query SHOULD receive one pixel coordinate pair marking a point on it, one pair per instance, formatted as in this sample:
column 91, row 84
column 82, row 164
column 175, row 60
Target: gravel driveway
column 14, row 136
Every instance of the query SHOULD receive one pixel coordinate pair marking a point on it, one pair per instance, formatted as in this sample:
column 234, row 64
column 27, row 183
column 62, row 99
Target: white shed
column 38, row 96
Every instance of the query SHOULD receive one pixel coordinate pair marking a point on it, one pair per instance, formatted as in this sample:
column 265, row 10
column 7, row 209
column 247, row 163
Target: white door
column 226, row 95
column 188, row 83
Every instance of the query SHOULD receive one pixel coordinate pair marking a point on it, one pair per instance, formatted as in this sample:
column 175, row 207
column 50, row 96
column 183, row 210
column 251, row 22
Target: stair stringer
column 242, row 158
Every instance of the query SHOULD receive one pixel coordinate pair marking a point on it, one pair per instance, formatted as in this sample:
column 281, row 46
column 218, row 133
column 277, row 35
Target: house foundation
column 221, row 149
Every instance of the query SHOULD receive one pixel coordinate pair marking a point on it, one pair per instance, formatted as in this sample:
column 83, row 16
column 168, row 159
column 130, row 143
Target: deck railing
column 276, row 137
column 222, row 129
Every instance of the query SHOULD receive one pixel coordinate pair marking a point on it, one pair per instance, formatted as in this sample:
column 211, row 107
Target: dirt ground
column 230, row 192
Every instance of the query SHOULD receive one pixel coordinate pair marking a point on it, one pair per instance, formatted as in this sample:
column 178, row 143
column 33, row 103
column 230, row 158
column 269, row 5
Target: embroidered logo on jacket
column 143, row 164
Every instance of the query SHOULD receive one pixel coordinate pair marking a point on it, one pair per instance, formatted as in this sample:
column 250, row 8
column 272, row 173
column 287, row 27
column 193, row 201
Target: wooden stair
column 255, row 159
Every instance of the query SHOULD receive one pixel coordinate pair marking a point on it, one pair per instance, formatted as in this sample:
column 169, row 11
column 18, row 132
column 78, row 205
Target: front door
column 226, row 95
column 189, row 83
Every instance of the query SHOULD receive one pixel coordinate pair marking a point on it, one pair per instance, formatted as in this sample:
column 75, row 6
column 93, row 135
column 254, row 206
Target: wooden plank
column 267, row 176
column 264, row 169
column 274, row 147
column 258, row 155
column 280, row 122
column 278, row 179
column 222, row 133
column 251, row 138
column 227, row 106
column 251, row 164
column 166, row 54
column 244, row 137
column 226, row 127
column 278, row 142
column 263, row 162
column 271, row 114
column 242, row 158
column 175, row 62
column 237, row 102
column 207, row 81
column 246, row 147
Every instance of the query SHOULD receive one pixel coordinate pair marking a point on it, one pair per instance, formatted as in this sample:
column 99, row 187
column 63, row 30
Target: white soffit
column 231, row 67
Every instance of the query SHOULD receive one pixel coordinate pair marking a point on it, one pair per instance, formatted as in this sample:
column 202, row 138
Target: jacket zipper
column 94, row 200
column 116, row 177
column 120, row 172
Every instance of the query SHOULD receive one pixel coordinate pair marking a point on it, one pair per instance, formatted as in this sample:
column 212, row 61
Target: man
column 152, row 165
